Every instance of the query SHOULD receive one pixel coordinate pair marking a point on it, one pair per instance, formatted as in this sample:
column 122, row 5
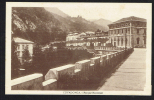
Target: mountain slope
column 75, row 23
column 56, row 11
column 103, row 22
column 34, row 23
column 41, row 26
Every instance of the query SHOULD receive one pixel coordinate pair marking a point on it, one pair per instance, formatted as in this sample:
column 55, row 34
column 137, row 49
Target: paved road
column 130, row 75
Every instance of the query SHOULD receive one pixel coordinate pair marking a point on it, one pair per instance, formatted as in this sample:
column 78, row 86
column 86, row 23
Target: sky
column 109, row 11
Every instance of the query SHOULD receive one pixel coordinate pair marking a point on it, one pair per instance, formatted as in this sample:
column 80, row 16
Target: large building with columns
column 129, row 32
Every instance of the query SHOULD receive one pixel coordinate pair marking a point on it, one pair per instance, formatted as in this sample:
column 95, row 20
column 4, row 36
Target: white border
column 147, row 90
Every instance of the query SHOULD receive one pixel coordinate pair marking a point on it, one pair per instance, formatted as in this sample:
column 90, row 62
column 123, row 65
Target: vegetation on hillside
column 40, row 26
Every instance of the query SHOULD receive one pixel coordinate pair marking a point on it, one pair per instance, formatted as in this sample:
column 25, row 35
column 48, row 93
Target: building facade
column 75, row 39
column 86, row 39
column 129, row 32
column 23, row 44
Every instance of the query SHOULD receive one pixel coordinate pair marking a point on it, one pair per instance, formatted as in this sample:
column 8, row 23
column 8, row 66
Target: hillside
column 35, row 24
column 103, row 22
column 56, row 11
column 41, row 26
column 73, row 23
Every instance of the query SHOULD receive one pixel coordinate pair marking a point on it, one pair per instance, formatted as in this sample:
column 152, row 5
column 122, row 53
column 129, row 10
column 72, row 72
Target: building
column 23, row 44
column 75, row 39
column 129, row 32
column 86, row 39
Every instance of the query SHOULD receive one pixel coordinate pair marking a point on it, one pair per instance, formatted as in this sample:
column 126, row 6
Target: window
column 138, row 39
column 118, row 41
column 114, row 39
column 126, row 24
column 18, row 47
column 128, row 29
column 137, row 31
column 144, row 40
column 23, row 47
column 111, row 40
column 126, row 41
column 144, row 31
column 121, row 41
column 18, row 53
column 22, row 53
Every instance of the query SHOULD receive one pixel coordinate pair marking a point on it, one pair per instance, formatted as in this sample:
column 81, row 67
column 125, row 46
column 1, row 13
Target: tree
column 26, row 55
column 26, row 58
column 38, row 58
column 15, row 63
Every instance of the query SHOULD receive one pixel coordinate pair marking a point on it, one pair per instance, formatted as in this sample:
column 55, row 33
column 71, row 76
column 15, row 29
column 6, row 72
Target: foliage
column 50, row 58
column 66, row 81
column 40, row 26
column 26, row 55
column 26, row 58
column 15, row 63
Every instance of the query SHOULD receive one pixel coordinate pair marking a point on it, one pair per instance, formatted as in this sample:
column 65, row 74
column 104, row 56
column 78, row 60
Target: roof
column 90, row 32
column 20, row 40
column 83, row 33
column 131, row 18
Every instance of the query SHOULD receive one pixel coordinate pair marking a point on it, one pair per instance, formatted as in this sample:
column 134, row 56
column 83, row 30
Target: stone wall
column 72, row 75
column 29, row 82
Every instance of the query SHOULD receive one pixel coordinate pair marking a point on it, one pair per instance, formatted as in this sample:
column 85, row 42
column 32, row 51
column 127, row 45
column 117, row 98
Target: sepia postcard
column 78, row 48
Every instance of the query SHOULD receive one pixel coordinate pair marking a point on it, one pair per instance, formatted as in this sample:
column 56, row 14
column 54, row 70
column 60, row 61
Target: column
column 128, row 43
column 119, row 40
column 112, row 41
column 124, row 41
column 130, row 34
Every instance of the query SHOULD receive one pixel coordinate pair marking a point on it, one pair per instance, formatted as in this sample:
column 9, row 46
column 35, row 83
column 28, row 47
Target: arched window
column 138, row 39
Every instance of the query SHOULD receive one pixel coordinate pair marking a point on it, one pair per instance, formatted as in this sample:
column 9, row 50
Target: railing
column 108, row 48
